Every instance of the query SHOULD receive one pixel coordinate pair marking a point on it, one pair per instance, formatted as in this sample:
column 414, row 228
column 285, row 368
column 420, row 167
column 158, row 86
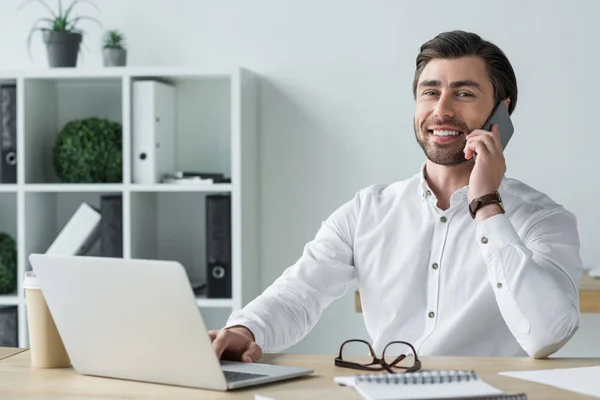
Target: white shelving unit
column 216, row 131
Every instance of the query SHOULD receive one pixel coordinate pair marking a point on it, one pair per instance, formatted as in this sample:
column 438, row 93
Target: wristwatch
column 492, row 198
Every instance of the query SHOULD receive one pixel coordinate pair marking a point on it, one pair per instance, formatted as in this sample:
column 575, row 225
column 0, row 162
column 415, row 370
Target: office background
column 336, row 104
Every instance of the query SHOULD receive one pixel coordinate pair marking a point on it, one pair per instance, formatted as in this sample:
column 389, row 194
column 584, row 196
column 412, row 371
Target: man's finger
column 475, row 146
column 252, row 354
column 212, row 335
column 485, row 140
column 220, row 344
column 489, row 143
column 495, row 135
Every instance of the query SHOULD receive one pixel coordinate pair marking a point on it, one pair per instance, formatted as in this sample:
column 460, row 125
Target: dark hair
column 457, row 44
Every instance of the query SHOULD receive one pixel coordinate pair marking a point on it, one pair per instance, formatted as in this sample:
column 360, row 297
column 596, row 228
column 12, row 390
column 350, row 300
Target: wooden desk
column 589, row 296
column 19, row 381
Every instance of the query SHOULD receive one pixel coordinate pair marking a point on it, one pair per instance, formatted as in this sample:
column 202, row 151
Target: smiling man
column 499, row 278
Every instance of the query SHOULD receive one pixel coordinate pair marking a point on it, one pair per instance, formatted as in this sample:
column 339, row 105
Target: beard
column 449, row 154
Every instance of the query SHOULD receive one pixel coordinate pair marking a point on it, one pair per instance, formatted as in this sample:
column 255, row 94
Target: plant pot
column 62, row 48
column 115, row 57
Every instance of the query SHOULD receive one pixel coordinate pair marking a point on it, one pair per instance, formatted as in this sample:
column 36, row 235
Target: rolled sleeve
column 525, row 269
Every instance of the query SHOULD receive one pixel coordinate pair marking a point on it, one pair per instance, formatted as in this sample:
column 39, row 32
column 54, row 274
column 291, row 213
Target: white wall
column 337, row 106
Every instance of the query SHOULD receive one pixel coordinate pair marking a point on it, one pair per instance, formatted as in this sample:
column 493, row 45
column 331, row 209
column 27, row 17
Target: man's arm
column 535, row 279
column 288, row 309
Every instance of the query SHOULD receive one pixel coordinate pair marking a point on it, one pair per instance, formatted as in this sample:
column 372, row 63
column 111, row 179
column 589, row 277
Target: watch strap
column 485, row 200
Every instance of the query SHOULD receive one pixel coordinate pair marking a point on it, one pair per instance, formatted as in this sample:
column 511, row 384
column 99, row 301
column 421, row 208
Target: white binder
column 79, row 234
column 153, row 127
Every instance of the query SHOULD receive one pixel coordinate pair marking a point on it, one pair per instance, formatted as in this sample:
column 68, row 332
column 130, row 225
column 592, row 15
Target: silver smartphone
column 501, row 117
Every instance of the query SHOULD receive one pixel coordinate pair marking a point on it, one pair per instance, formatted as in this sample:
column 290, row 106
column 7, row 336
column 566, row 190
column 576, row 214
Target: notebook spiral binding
column 421, row 377
column 435, row 377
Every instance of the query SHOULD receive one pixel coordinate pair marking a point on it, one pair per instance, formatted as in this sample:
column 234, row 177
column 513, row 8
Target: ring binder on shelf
column 8, row 133
column 435, row 384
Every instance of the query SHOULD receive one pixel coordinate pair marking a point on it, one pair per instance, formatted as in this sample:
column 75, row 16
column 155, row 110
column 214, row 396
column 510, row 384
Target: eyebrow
column 456, row 84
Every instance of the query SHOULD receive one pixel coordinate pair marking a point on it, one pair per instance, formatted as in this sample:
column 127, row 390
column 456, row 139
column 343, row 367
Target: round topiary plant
column 89, row 151
column 8, row 264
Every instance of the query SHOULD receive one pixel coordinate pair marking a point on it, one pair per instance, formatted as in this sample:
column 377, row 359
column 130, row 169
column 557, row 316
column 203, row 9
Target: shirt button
column 435, row 266
column 429, row 193
column 431, row 314
column 499, row 285
column 443, row 219
column 484, row 240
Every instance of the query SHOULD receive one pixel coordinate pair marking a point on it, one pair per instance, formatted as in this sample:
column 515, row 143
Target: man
column 502, row 283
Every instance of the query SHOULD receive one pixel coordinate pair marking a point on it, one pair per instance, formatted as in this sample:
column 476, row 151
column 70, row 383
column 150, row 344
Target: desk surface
column 589, row 294
column 19, row 381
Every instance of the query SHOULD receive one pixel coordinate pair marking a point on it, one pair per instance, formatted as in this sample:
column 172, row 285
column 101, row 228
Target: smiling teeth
column 446, row 133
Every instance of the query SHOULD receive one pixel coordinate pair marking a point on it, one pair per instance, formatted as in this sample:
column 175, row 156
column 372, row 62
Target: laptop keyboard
column 233, row 376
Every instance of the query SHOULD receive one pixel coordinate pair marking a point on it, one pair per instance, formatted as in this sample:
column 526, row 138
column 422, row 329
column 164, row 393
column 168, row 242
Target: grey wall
column 337, row 107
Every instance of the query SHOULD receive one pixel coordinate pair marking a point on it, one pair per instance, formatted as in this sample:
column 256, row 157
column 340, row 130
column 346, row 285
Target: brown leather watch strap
column 492, row 198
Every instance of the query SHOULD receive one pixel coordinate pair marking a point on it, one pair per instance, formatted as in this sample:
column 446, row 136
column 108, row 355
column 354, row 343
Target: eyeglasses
column 397, row 354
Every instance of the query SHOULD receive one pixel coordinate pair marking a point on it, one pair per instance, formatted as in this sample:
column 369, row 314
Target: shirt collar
column 424, row 189
column 423, row 186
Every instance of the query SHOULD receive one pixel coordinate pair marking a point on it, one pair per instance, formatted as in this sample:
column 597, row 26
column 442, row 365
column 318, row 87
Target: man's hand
column 235, row 343
column 490, row 164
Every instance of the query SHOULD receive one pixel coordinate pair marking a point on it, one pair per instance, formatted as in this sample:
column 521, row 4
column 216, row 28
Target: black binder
column 8, row 133
column 111, row 226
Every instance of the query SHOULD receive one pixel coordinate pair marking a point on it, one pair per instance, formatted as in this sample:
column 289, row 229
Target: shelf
column 119, row 187
column 193, row 131
column 174, row 187
column 47, row 213
column 73, row 187
column 217, row 303
column 114, row 72
column 8, row 188
column 170, row 226
column 49, row 105
column 216, row 125
column 9, row 300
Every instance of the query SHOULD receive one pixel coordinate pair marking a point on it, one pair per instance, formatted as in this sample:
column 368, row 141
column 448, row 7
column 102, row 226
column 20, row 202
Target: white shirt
column 449, row 285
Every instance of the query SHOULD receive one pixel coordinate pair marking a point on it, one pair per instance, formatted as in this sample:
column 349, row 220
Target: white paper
column 594, row 273
column 436, row 391
column 585, row 380
column 383, row 391
column 344, row 380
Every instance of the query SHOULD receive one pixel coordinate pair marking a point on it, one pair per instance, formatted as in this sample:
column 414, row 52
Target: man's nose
column 444, row 107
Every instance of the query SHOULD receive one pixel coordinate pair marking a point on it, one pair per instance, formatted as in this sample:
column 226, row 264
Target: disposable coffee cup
column 45, row 345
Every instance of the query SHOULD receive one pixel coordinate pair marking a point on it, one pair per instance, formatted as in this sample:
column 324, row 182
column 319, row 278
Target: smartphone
column 500, row 117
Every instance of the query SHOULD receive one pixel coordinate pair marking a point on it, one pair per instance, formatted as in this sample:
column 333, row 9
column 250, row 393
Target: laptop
column 138, row 320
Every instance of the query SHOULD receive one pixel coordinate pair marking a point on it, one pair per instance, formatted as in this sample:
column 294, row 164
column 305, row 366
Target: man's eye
column 465, row 94
column 429, row 93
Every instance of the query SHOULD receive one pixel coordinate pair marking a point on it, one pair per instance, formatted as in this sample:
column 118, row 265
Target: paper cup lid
column 31, row 281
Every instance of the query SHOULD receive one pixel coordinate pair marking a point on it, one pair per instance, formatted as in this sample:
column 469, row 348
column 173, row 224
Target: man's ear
column 507, row 101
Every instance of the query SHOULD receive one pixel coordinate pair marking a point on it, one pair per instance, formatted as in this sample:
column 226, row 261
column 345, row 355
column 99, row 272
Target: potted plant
column 89, row 150
column 61, row 34
column 114, row 51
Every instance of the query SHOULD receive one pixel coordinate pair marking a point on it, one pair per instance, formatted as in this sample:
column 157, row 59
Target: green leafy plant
column 114, row 39
column 61, row 21
column 8, row 263
column 89, row 151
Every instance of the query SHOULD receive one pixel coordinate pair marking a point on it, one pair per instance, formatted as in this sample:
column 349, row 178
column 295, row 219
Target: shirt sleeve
column 290, row 307
column 535, row 278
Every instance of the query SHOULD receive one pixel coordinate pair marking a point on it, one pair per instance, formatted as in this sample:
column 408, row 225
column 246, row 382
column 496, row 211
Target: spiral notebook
column 443, row 384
